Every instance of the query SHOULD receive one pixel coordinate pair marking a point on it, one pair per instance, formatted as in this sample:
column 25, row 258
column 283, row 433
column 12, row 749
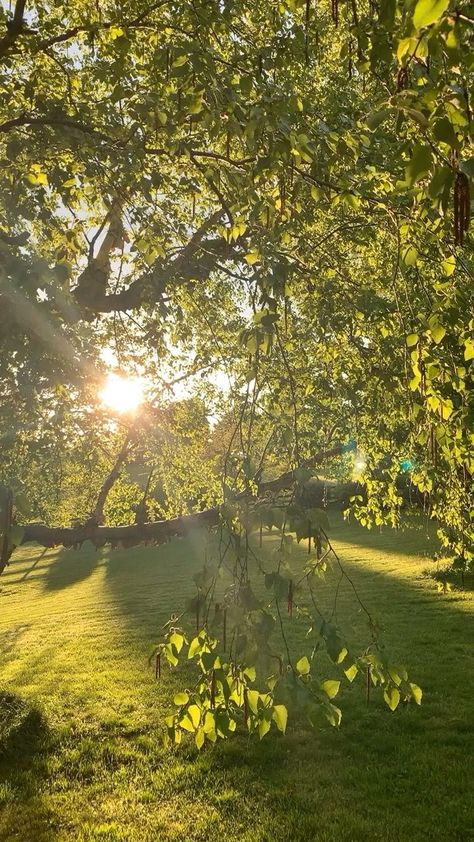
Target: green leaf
column 335, row 648
column 420, row 164
column 263, row 727
column 394, row 675
column 250, row 673
column 208, row 660
column 415, row 380
column 181, row 699
column 443, row 130
column 194, row 714
column 442, row 177
column 252, row 699
column 199, row 738
column 392, row 697
column 196, row 105
column 333, row 714
column 467, row 167
column 428, row 12
column 170, row 656
column 417, row 116
column 416, row 693
column 37, row 177
column 116, row 32
column 179, row 61
column 412, row 339
column 438, row 332
column 252, row 257
column 177, row 640
column 351, row 672
column 449, row 265
column 195, row 647
column 410, row 256
column 303, row 666
column 280, row 717
column 330, row 687
column 377, row 117
column 469, row 349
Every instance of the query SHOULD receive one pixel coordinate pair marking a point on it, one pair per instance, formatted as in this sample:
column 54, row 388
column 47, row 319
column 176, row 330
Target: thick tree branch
column 14, row 27
column 96, row 27
column 128, row 536
column 24, row 120
column 195, row 261
column 98, row 513
column 162, row 530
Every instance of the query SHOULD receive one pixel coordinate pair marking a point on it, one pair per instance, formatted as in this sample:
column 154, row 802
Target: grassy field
column 81, row 757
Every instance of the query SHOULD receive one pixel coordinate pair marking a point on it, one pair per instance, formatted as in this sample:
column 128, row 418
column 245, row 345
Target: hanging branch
column 306, row 39
column 462, row 207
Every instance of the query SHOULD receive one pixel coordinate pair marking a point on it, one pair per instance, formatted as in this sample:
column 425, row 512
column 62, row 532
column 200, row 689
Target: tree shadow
column 150, row 583
column 25, row 744
column 71, row 566
column 23, row 728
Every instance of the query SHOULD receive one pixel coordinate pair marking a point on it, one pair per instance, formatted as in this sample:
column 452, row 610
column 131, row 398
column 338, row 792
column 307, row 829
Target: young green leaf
column 280, row 717
column 330, row 687
column 428, row 12
column 392, row 697
column 303, row 666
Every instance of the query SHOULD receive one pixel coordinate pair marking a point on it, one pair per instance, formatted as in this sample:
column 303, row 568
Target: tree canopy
column 273, row 194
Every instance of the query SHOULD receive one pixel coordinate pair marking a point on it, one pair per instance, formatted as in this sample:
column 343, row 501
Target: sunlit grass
column 82, row 758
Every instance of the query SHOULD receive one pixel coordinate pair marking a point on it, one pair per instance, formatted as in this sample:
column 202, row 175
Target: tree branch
column 158, row 531
column 98, row 513
column 62, row 122
column 14, row 27
column 90, row 291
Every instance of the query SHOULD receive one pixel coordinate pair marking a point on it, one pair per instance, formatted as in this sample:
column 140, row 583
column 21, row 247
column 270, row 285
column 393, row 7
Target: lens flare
column 122, row 394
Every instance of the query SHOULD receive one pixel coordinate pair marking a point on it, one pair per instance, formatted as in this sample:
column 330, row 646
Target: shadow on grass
column 151, row 583
column 71, row 566
column 25, row 743
column 23, row 729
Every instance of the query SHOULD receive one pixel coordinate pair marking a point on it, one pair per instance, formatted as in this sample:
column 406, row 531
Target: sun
column 122, row 394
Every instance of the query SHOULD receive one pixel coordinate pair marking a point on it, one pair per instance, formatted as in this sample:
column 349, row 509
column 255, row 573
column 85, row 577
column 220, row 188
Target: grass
column 81, row 714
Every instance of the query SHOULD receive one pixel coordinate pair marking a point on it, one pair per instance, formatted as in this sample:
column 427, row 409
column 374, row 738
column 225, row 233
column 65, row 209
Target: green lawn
column 82, row 759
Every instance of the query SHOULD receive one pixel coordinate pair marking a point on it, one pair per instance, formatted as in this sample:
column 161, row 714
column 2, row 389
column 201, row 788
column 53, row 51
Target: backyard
column 82, row 757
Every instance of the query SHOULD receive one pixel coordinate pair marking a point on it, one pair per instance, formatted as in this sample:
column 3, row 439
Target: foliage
column 274, row 193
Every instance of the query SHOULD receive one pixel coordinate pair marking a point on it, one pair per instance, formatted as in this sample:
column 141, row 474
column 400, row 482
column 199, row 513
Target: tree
column 277, row 192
